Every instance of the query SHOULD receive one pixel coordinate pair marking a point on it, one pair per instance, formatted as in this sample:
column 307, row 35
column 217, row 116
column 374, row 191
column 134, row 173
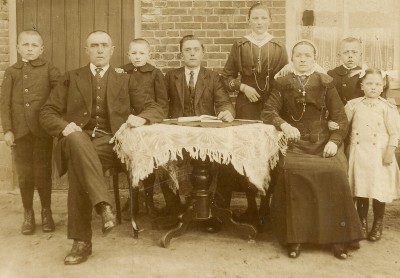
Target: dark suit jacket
column 25, row 88
column 210, row 95
column 71, row 101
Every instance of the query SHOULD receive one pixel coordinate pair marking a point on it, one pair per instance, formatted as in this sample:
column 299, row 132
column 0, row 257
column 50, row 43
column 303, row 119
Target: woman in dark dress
column 312, row 202
column 256, row 57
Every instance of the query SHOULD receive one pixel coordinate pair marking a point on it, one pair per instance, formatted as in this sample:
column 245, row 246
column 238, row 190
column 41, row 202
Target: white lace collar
column 266, row 38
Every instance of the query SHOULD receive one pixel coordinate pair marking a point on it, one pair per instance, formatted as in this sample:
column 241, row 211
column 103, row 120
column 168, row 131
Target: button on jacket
column 26, row 87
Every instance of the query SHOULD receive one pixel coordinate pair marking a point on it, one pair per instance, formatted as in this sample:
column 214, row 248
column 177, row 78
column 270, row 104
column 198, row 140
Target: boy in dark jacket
column 152, row 81
column 26, row 86
column 347, row 83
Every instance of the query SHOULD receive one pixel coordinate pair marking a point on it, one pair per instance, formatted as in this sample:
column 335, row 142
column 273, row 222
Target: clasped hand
column 135, row 121
column 250, row 93
column 71, row 127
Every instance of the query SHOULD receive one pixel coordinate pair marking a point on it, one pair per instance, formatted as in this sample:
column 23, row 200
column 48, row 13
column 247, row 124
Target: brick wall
column 217, row 22
column 4, row 48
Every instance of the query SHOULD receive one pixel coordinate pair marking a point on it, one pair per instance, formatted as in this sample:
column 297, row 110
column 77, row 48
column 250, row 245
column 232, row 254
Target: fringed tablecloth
column 252, row 149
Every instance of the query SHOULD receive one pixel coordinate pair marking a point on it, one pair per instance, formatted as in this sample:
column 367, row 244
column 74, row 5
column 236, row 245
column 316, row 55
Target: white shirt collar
column 266, row 38
column 93, row 69
column 195, row 76
column 348, row 67
column 25, row 60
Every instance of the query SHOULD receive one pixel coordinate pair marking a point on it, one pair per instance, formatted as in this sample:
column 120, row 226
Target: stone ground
column 195, row 254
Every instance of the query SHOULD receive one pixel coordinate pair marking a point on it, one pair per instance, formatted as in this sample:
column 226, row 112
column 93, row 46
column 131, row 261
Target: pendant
column 304, row 93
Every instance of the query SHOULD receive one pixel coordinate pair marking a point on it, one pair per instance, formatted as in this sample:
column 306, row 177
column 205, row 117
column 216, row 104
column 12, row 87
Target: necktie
column 97, row 75
column 191, row 90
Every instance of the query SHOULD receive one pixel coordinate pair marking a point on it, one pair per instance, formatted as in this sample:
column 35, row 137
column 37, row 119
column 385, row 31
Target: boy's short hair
column 189, row 38
column 141, row 41
column 29, row 32
column 350, row 40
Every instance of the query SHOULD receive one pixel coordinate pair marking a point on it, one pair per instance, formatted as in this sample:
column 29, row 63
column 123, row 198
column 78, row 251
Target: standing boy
column 26, row 86
column 347, row 84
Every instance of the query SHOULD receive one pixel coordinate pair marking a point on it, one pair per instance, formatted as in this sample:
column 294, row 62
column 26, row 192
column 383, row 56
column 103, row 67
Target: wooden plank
column 114, row 24
column 44, row 27
column 101, row 15
column 58, row 33
column 72, row 47
column 86, row 14
column 127, row 26
column 20, row 15
column 30, row 14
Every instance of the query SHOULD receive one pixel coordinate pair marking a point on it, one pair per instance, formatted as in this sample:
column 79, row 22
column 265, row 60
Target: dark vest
column 99, row 115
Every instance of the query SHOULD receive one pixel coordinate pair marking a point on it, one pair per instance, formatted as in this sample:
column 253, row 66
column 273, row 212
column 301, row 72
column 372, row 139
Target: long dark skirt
column 312, row 202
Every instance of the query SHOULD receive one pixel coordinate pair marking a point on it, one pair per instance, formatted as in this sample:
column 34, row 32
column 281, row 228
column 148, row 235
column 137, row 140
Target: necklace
column 302, row 100
column 266, row 87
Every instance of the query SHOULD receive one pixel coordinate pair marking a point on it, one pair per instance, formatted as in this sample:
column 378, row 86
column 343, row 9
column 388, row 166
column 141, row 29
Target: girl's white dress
column 375, row 124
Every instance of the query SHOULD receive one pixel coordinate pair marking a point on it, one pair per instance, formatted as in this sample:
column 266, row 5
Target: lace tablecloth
column 252, row 149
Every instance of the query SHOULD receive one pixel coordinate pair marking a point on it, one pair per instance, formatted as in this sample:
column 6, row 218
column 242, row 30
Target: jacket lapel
column 200, row 85
column 180, row 84
column 85, row 87
column 113, row 86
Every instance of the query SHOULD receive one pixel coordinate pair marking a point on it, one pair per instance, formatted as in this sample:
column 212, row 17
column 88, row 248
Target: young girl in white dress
column 373, row 169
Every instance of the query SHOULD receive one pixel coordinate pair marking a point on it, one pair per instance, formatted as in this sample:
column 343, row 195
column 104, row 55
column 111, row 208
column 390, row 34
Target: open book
column 201, row 118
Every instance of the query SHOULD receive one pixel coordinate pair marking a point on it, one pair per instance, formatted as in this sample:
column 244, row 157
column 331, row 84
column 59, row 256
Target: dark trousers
column 229, row 180
column 86, row 159
column 33, row 163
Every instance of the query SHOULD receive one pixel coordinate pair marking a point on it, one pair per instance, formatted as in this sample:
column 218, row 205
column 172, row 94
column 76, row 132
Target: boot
column 362, row 210
column 364, row 226
column 47, row 221
column 379, row 211
column 29, row 225
column 376, row 231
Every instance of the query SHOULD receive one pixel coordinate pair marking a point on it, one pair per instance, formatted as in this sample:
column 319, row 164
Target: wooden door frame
column 12, row 26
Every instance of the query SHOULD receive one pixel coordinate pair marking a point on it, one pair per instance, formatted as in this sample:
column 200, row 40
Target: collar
column 348, row 67
column 196, row 71
column 93, row 69
column 266, row 38
column 146, row 68
column 35, row 63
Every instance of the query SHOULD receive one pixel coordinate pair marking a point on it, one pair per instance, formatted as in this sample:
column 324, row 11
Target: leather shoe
column 79, row 253
column 29, row 225
column 293, row 250
column 47, row 221
column 107, row 217
column 339, row 251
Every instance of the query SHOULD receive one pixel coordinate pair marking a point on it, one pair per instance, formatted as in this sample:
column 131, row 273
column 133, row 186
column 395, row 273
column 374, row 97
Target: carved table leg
column 201, row 206
column 226, row 215
column 183, row 222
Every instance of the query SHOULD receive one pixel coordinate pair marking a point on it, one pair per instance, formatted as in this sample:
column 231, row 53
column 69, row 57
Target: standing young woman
column 256, row 57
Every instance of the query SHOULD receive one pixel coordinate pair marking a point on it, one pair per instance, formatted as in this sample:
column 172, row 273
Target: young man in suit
column 192, row 91
column 84, row 111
